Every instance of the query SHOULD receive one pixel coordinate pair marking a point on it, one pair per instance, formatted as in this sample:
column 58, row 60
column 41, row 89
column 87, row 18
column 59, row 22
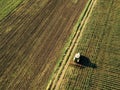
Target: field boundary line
column 55, row 82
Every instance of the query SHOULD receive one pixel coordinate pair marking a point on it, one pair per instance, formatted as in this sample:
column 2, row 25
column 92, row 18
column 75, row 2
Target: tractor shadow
column 85, row 61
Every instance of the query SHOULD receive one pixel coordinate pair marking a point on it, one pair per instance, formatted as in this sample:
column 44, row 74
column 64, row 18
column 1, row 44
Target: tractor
column 82, row 61
column 76, row 60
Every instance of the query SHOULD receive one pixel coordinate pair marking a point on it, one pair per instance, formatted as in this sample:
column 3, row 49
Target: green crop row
column 6, row 6
column 100, row 43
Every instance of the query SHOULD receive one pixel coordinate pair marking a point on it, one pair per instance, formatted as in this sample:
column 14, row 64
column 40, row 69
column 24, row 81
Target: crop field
column 7, row 6
column 31, row 40
column 100, row 44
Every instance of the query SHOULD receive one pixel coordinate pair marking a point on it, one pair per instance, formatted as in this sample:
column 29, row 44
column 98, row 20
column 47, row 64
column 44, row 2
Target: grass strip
column 67, row 45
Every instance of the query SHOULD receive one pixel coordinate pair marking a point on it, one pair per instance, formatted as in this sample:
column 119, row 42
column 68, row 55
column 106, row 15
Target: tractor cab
column 77, row 58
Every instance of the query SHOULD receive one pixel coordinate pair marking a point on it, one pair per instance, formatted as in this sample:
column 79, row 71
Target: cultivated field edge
column 68, row 44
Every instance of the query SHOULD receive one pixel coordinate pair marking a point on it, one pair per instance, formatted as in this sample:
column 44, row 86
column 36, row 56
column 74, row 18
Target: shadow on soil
column 85, row 61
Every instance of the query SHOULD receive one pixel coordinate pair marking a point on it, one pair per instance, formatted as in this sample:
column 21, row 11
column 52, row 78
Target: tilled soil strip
column 55, row 82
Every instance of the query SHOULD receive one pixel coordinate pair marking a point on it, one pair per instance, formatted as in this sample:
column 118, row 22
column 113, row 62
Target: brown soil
column 31, row 39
